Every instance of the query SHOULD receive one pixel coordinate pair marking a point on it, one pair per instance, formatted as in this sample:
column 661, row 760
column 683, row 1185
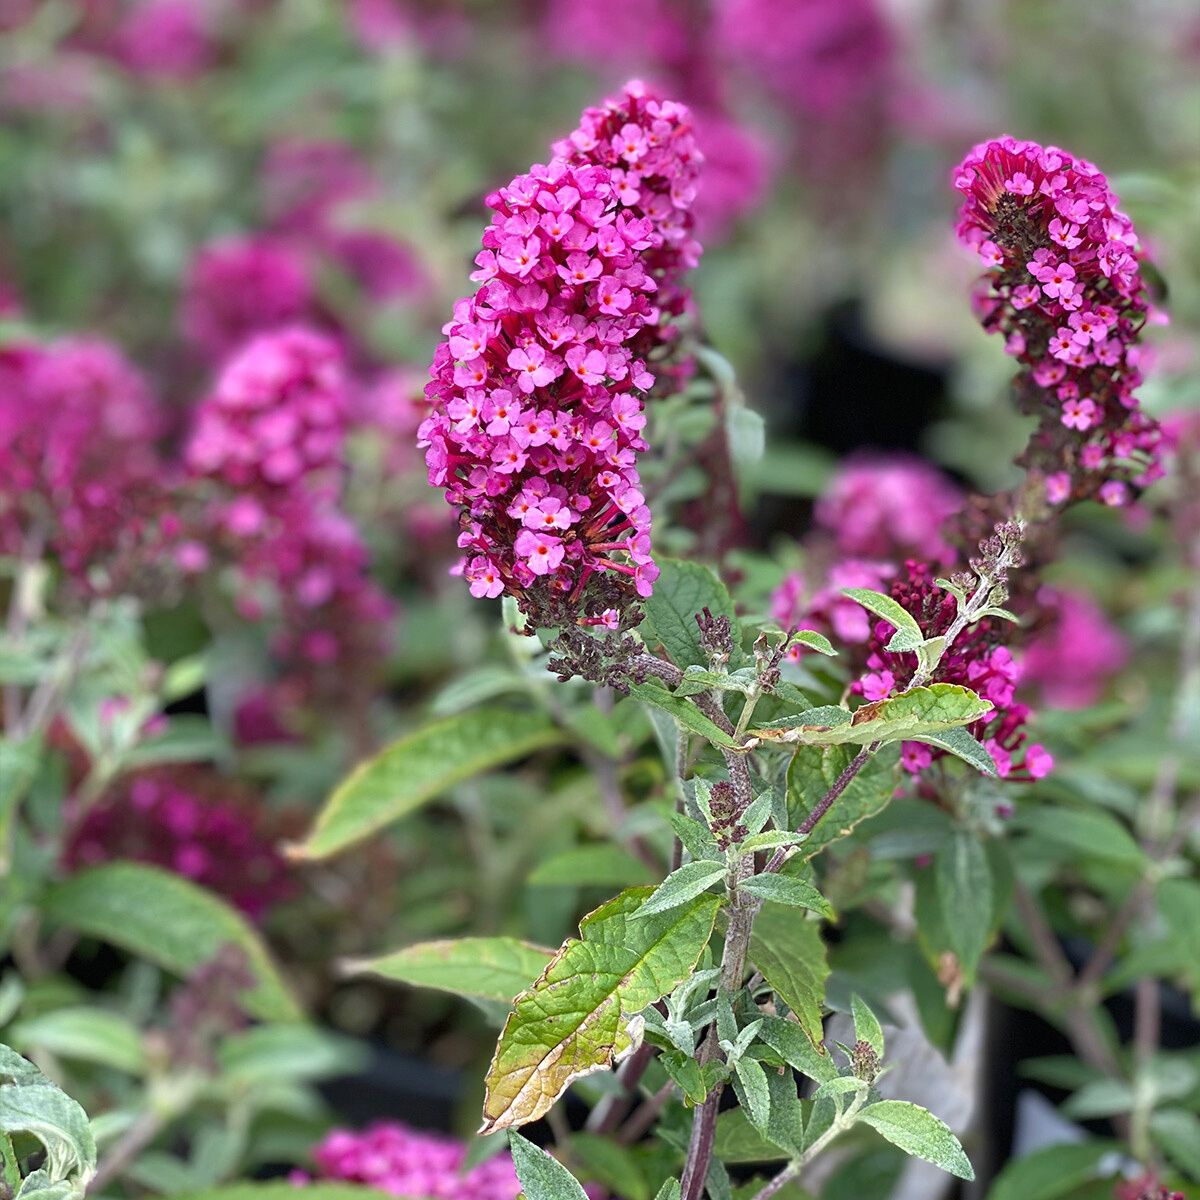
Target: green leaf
column 814, row 641
column 542, row 1177
column 317, row 1189
column 89, row 1034
column 737, row 1141
column 170, row 921
column 965, row 893
column 682, row 590
column 866, row 1025
column 1177, row 1131
column 575, row 1019
column 917, row 1131
column 613, row 1166
column 1050, row 1172
column 753, row 1093
column 286, row 1052
column 789, row 952
column 1092, row 833
column 18, row 767
column 599, row 865
column 884, row 606
column 906, row 717
column 681, row 886
column 420, row 767
column 669, row 1190
column 961, row 744
column 815, row 769
column 789, row 890
column 482, row 968
column 685, row 713
column 796, row 1049
column 31, row 1104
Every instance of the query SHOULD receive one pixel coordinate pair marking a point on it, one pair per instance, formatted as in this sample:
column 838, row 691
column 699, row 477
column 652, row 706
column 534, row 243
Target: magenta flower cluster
column 79, row 469
column 889, row 507
column 976, row 660
column 1074, row 651
column 407, row 1163
column 538, row 391
column 1063, row 285
column 186, row 822
column 269, row 438
column 276, row 418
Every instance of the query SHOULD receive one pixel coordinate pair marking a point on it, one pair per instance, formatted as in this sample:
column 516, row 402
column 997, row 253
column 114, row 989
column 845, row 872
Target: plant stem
column 840, row 784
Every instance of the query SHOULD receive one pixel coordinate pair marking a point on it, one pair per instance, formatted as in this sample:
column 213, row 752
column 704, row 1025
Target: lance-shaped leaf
column 789, row 952
column 917, row 1131
column 482, row 968
column 897, row 617
column 575, row 1019
column 542, row 1177
column 172, row 922
column 815, row 769
column 421, row 766
column 910, row 715
column 685, row 713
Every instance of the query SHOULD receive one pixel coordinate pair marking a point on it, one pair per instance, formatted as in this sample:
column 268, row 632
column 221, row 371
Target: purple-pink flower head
column 240, row 286
column 889, row 508
column 1075, row 652
column 538, row 392
column 165, row 39
column 1063, row 285
column 193, row 822
column 276, row 419
column 407, row 1163
column 78, row 461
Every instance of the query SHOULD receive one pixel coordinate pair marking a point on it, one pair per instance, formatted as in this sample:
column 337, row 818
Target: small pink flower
column 1079, row 414
column 1019, row 184
column 878, row 685
column 1114, row 493
column 1039, row 762
column 1058, row 487
column 541, row 552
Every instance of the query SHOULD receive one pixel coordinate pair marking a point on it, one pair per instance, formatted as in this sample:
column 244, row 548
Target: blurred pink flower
column 1078, row 651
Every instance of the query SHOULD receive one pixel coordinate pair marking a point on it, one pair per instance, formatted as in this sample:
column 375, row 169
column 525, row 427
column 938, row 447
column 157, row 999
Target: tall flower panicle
column 889, row 508
column 276, row 418
column 1064, row 286
column 538, row 391
column 407, row 1163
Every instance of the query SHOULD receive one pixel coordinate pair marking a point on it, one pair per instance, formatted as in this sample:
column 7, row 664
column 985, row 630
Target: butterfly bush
column 240, row 286
column 405, row 1162
column 79, row 469
column 978, row 659
column 186, row 820
column 1064, row 286
column 538, row 392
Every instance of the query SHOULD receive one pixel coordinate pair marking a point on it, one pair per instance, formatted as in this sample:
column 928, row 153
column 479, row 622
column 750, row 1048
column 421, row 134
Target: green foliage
column 787, row 890
column 685, row 712
column 815, row 769
column 682, row 885
column 917, row 1131
column 599, row 865
column 31, row 1105
column 789, row 952
column 542, row 1177
column 169, row 921
column 85, row 1033
column 420, row 767
column 576, row 1018
column 909, row 716
column 1050, row 1172
column 482, row 968
column 682, row 590
column 965, row 892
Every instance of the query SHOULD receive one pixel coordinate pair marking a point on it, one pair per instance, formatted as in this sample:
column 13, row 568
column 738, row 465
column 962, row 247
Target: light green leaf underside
column 789, row 952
